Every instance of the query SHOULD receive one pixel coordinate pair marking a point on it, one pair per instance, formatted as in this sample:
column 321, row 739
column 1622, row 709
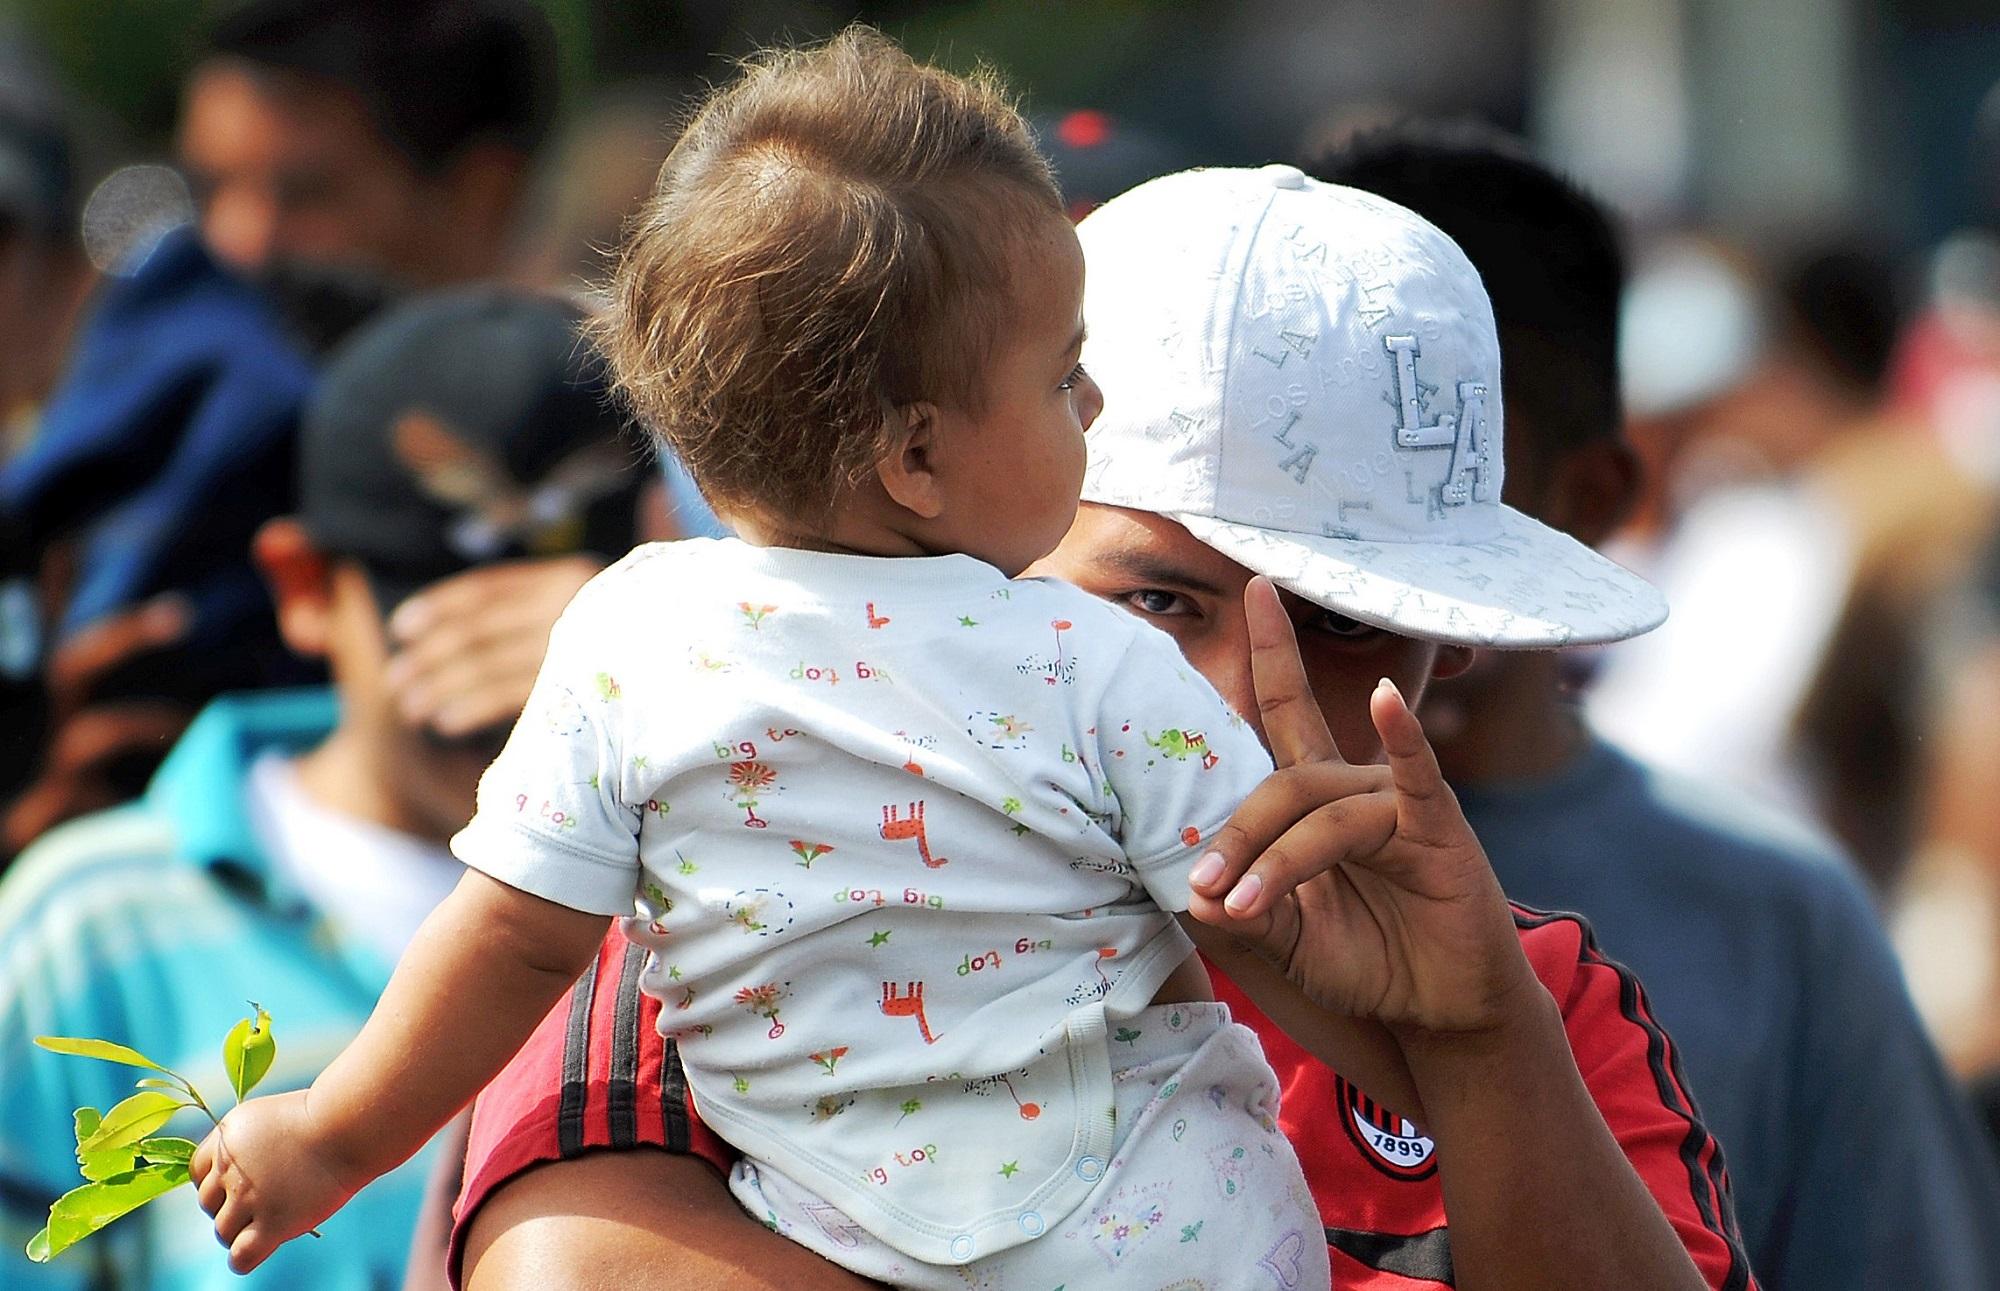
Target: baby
column 904, row 829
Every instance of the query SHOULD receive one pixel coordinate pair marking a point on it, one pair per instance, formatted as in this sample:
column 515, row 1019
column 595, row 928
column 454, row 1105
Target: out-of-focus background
column 1810, row 346
column 1814, row 201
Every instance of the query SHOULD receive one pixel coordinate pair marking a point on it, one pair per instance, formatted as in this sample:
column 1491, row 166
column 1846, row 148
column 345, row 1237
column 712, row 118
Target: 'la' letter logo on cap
column 1463, row 432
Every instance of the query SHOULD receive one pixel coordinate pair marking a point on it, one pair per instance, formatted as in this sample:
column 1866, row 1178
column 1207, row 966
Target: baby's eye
column 1076, row 375
column 1152, row 601
column 1335, row 624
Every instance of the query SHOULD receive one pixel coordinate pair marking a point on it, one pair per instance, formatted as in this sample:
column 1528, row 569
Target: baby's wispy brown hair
column 827, row 246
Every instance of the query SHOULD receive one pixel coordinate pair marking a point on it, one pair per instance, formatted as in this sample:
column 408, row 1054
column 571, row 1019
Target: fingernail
column 1245, row 894
column 1390, row 686
column 1206, row 870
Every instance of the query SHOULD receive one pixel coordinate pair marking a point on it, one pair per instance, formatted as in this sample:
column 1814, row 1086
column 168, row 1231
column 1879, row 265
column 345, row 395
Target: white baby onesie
column 902, row 835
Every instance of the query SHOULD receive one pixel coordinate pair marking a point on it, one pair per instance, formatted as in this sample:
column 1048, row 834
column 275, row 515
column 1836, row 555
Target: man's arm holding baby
column 479, row 975
column 641, row 1221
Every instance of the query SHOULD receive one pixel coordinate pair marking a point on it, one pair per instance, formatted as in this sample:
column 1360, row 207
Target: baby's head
column 853, row 307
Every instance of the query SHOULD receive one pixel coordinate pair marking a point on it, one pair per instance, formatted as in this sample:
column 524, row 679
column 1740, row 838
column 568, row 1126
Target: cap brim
column 1527, row 587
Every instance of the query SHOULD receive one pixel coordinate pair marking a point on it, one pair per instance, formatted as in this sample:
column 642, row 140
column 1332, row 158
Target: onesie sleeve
column 1175, row 758
column 549, row 819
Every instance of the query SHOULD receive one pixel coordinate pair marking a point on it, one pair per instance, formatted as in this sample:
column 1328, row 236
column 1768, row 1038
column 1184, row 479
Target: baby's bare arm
column 480, row 974
column 484, row 969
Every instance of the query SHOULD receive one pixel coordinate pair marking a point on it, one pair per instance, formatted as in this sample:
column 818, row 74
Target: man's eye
column 1157, row 603
column 1074, row 379
column 1335, row 624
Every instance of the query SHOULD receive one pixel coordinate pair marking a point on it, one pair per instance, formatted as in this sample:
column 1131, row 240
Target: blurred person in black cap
column 339, row 151
column 1854, row 1161
column 293, row 840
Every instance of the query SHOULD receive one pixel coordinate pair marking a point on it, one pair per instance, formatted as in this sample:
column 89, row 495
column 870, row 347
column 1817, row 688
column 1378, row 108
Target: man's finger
column 1274, row 808
column 1294, row 728
column 79, row 661
column 501, row 672
column 1429, row 808
column 541, row 587
column 1353, row 829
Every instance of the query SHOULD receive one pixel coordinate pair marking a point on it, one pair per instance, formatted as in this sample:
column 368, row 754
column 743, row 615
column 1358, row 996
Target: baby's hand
column 267, row 1174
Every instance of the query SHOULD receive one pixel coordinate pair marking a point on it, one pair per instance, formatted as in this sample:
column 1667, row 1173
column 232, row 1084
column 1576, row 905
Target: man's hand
column 1363, row 884
column 90, row 739
column 467, row 648
column 266, row 1174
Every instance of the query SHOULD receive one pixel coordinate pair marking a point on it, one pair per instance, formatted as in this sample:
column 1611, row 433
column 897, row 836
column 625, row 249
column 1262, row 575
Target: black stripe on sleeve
column 1706, row 1180
column 673, row 1098
column 576, row 1065
column 1425, row 1256
column 623, row 1097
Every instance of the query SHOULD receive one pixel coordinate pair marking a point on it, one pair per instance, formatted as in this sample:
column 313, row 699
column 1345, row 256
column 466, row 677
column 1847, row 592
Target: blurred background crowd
column 198, row 208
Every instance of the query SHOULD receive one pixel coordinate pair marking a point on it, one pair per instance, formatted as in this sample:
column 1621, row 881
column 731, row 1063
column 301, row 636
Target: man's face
column 291, row 169
column 1158, row 570
column 434, row 783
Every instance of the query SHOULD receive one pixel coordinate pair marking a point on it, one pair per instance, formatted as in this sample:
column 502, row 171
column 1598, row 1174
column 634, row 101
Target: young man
column 1561, row 1092
column 356, row 138
column 1854, row 1159
column 294, row 839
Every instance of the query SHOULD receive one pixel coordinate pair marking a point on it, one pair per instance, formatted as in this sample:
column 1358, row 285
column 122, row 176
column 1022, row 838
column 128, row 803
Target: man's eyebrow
column 1141, row 567
column 1076, row 342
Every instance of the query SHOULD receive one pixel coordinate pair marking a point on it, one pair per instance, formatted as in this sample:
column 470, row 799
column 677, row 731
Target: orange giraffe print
column 876, row 621
column 896, row 827
column 907, row 1004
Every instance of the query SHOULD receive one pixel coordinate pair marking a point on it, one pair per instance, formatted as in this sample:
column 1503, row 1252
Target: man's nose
column 1226, row 664
column 240, row 228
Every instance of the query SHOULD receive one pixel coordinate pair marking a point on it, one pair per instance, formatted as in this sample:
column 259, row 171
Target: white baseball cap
column 1307, row 377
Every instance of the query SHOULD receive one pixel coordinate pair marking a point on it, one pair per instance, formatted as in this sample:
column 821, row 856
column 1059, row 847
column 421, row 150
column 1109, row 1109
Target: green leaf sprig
column 123, row 1162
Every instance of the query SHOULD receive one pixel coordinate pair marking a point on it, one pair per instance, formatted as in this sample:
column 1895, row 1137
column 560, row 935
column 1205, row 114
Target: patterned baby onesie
column 902, row 836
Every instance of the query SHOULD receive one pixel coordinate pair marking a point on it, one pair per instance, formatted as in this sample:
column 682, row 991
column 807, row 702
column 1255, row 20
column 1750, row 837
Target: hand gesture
column 468, row 648
column 1363, row 884
column 266, row 1174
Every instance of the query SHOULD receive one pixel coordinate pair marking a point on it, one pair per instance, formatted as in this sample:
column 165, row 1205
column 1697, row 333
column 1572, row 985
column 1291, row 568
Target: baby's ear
column 908, row 465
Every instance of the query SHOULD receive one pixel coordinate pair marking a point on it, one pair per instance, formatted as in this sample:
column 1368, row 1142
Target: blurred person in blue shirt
column 1855, row 1160
column 294, row 839
column 338, row 152
column 43, row 278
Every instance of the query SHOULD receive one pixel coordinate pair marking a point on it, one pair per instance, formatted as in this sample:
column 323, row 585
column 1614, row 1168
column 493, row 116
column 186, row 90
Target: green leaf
column 102, row 1049
column 165, row 1148
column 102, row 1164
column 79, row 1213
column 132, row 1120
column 247, row 1052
